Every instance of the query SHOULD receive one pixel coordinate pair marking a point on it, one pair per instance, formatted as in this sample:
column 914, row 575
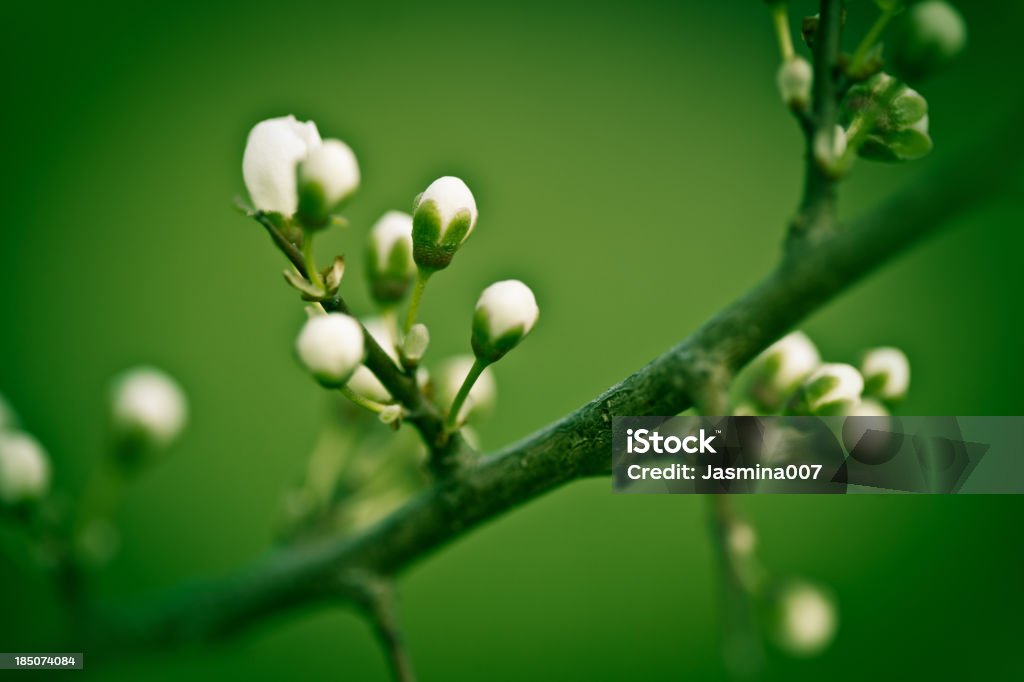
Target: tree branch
column 578, row 445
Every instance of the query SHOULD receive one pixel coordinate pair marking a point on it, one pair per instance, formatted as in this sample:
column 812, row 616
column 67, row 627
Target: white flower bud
column 331, row 347
column 886, row 373
column 24, row 468
column 415, row 344
column 328, row 175
column 832, row 389
column 794, row 79
column 781, row 368
column 390, row 266
column 741, row 539
column 505, row 313
column 443, row 218
column 147, row 407
column 449, row 378
column 925, row 39
column 807, row 619
column 363, row 381
column 273, row 151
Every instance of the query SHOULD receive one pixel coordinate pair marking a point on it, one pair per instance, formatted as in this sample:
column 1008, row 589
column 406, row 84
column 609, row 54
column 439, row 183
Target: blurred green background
column 632, row 162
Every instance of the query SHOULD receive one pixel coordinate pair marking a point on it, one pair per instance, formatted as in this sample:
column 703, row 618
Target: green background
column 631, row 161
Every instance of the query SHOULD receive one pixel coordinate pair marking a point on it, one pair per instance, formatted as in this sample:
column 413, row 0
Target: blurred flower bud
column 389, row 263
column 363, row 381
column 741, row 539
column 807, row 619
column 899, row 132
column 794, row 80
column 831, row 389
column 443, row 217
column 778, row 371
column 98, row 542
column 148, row 407
column 448, row 380
column 24, row 468
column 927, row 38
column 331, row 348
column 272, row 152
column 415, row 344
column 328, row 175
column 505, row 313
column 886, row 373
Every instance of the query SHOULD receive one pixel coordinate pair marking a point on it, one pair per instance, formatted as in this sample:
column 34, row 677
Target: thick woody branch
column 578, row 445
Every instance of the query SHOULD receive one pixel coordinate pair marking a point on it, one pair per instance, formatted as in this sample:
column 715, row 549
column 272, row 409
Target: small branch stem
column 780, row 19
column 312, row 273
column 417, row 297
column 381, row 608
column 361, row 401
column 474, row 373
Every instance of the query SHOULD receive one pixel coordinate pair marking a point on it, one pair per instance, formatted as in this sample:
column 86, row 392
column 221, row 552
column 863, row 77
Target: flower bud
column 794, row 80
column 779, row 370
column 24, row 468
column 443, row 218
column 389, row 263
column 505, row 313
column 899, row 132
column 741, row 539
column 807, row 619
column 328, row 176
column 927, row 38
column 886, row 373
column 272, row 152
column 415, row 344
column 331, row 348
column 148, row 408
column 449, row 380
column 831, row 389
column 363, row 381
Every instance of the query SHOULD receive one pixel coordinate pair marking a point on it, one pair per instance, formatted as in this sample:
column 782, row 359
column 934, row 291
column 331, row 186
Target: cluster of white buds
column 806, row 619
column 288, row 169
column 886, row 374
column 24, row 468
column 148, row 409
column 505, row 314
column 389, row 263
column 927, row 37
column 443, row 218
column 794, row 79
column 331, row 347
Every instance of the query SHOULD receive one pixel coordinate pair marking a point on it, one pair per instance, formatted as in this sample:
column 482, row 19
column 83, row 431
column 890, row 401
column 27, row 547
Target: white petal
column 149, row 402
column 333, row 165
column 272, row 152
column 451, row 195
column 508, row 304
column 331, row 346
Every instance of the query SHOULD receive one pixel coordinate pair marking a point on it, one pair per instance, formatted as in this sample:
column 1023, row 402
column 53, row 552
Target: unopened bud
column 831, row 389
column 331, row 348
column 779, row 370
column 327, row 176
column 794, row 79
column 24, row 468
column 273, row 150
column 389, row 263
column 886, row 373
column 807, row 619
column 148, row 408
column 415, row 344
column 443, row 218
column 926, row 39
column 505, row 313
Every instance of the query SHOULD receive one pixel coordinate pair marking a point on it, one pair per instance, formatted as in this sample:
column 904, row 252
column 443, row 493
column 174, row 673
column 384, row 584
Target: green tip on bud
column 24, row 469
column 794, row 80
column 389, row 262
column 443, row 218
column 331, row 347
column 805, row 619
column 326, row 178
column 505, row 314
column 780, row 369
column 886, row 374
column 926, row 39
column 831, row 389
column 148, row 412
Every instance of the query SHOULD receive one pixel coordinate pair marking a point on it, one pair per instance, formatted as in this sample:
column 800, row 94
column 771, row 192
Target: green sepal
column 488, row 349
column 314, row 212
column 897, row 145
